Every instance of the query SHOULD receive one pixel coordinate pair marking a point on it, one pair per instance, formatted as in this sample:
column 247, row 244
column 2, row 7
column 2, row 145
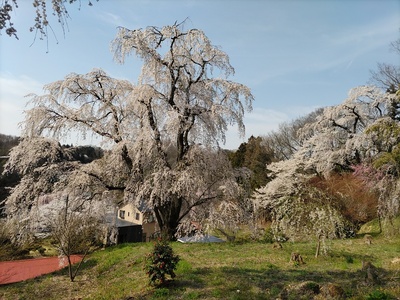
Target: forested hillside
column 6, row 143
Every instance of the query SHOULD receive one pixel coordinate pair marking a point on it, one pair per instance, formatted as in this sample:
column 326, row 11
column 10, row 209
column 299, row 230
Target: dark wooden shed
column 129, row 232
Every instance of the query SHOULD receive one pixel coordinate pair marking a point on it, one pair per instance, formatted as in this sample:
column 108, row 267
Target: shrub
column 161, row 262
column 268, row 236
column 352, row 196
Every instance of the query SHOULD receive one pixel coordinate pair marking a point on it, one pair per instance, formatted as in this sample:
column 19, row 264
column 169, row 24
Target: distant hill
column 6, row 143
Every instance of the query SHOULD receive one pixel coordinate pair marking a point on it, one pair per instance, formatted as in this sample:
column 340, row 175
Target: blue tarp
column 200, row 239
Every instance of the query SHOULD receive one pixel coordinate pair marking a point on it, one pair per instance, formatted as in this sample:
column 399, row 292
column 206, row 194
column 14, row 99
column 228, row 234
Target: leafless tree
column 387, row 76
column 285, row 141
column 75, row 231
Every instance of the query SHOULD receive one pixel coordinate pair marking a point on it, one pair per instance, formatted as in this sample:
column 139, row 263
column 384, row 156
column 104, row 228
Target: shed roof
column 124, row 223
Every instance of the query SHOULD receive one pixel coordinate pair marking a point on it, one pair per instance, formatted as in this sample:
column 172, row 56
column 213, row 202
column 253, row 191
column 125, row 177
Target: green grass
column 224, row 271
column 388, row 226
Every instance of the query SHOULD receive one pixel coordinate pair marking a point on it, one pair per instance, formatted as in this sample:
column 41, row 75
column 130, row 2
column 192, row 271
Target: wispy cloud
column 373, row 34
column 118, row 19
column 110, row 18
column 258, row 123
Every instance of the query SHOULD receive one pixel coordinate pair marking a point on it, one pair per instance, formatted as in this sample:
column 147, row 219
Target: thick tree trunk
column 182, row 145
column 168, row 232
column 126, row 157
column 167, row 217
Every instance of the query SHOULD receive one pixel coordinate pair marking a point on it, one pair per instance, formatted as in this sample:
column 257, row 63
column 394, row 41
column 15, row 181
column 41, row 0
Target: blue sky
column 294, row 55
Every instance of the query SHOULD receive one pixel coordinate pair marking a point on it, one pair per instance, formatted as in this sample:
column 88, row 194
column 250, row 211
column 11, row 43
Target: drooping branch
column 103, row 183
column 92, row 102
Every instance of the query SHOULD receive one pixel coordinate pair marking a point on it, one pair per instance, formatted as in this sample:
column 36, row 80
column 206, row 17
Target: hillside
column 229, row 271
column 6, row 143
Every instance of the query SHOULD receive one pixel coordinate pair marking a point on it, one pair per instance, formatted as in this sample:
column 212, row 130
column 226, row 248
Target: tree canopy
column 163, row 133
column 362, row 129
column 253, row 155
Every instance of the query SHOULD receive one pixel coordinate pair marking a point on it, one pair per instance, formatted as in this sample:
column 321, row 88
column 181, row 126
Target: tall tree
column 337, row 139
column 165, row 132
column 253, row 155
column 340, row 137
column 387, row 76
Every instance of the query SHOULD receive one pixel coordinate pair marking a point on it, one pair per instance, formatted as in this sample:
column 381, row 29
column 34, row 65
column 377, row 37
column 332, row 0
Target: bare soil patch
column 19, row 270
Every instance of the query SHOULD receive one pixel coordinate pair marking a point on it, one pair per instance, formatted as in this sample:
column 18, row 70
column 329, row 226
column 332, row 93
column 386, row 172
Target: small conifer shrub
column 161, row 262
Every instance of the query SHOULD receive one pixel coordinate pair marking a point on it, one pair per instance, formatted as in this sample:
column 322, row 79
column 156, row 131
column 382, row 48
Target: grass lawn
column 226, row 271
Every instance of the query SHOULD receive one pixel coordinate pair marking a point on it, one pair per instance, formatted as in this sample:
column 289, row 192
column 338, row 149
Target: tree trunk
column 379, row 222
column 80, row 263
column 71, row 275
column 168, row 232
column 318, row 247
column 168, row 218
column 180, row 143
column 126, row 157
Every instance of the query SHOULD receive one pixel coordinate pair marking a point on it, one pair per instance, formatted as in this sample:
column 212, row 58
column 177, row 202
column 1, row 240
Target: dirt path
column 19, row 270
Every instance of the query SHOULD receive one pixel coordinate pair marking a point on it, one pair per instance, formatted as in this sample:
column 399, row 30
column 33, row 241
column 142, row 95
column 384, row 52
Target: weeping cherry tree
column 163, row 133
column 339, row 138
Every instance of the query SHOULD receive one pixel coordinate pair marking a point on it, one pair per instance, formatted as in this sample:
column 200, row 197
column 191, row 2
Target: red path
column 19, row 270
